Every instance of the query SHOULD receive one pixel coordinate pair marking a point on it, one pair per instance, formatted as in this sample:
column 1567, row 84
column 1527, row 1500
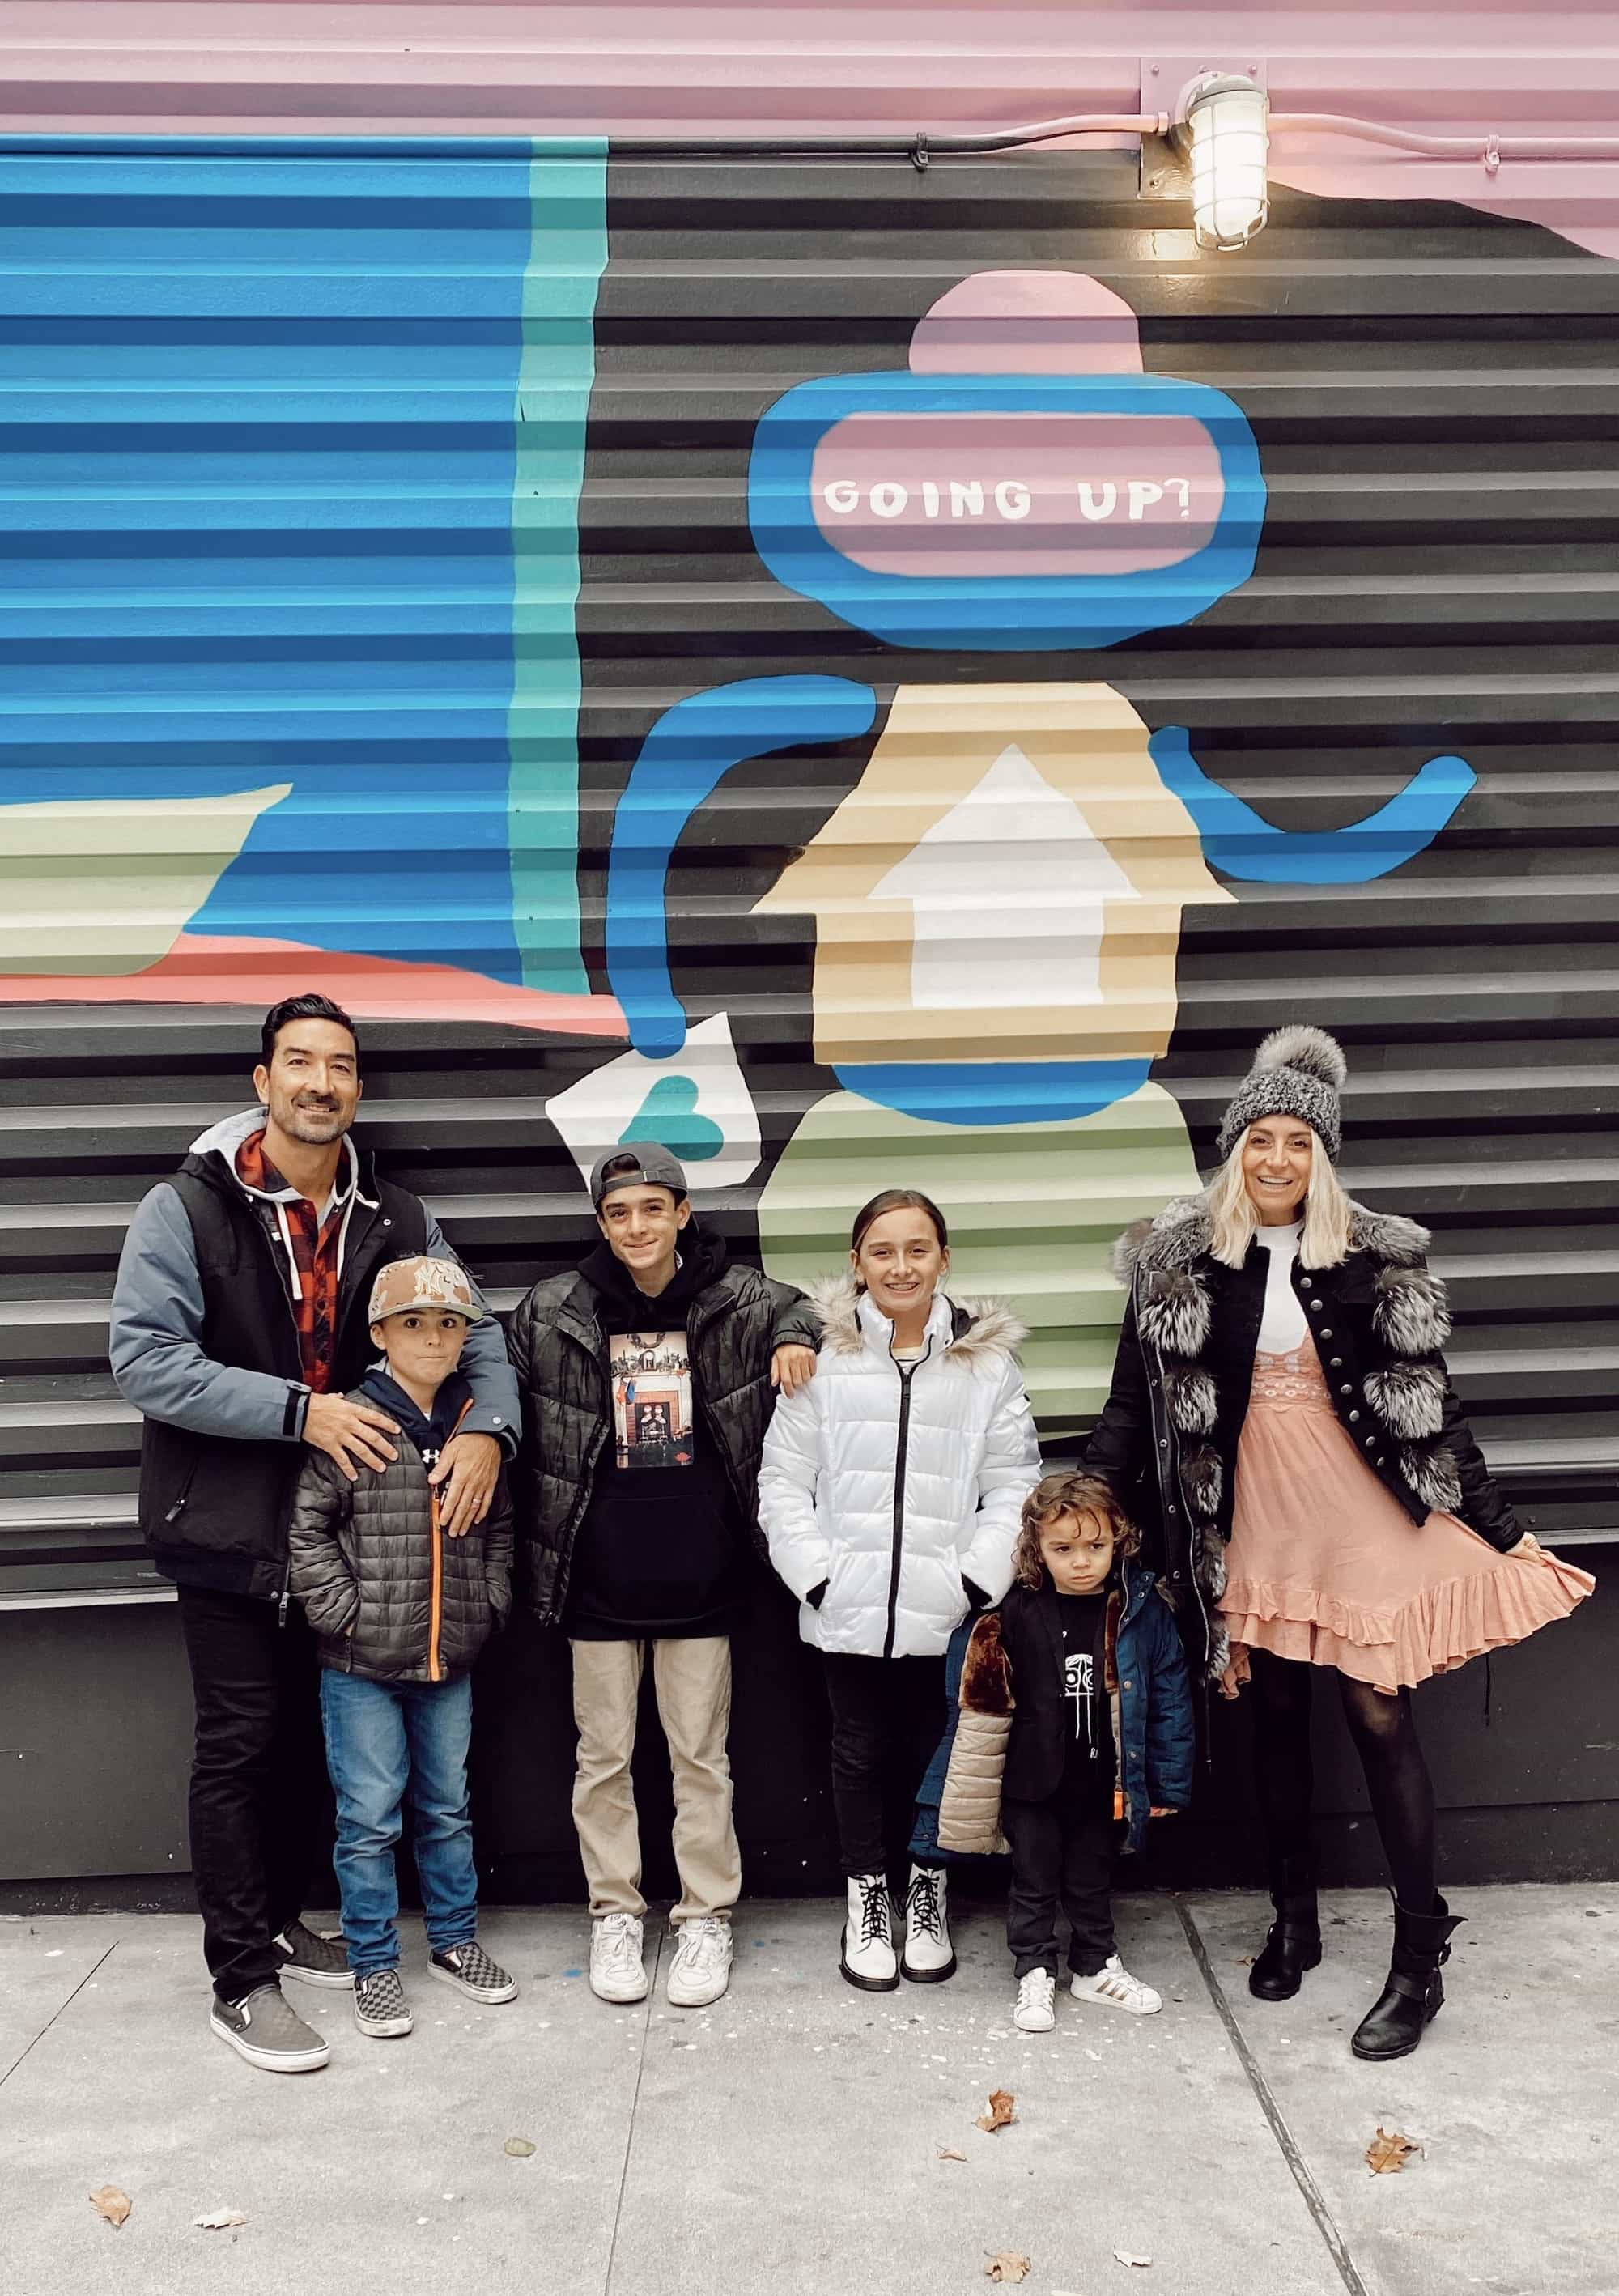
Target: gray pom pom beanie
column 1296, row 1072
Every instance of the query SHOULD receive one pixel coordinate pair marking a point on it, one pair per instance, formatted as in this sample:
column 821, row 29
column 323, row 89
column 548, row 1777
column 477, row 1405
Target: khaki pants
column 692, row 1679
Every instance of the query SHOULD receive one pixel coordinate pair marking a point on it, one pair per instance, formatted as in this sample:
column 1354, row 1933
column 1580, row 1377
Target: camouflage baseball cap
column 409, row 1284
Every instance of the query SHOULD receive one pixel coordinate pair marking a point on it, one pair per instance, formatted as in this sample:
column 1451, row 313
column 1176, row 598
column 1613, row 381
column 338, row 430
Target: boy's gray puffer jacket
column 387, row 1592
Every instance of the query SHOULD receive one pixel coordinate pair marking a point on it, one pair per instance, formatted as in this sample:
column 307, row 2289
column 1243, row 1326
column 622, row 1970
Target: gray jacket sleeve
column 156, row 1342
column 496, row 1409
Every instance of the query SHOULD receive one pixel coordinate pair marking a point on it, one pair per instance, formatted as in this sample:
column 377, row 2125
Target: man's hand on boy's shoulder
column 467, row 1470
column 792, row 1368
column 349, row 1432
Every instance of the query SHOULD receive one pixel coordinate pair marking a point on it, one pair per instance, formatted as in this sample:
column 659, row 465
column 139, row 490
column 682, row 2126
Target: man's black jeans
column 260, row 1804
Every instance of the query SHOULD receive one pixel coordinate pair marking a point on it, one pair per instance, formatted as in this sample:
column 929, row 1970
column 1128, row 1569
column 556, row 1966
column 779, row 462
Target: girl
column 1076, row 1711
column 1281, row 1410
column 889, row 1494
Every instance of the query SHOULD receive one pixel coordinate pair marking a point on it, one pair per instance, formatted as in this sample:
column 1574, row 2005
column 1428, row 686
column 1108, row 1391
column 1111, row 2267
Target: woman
column 890, row 1494
column 1282, row 1416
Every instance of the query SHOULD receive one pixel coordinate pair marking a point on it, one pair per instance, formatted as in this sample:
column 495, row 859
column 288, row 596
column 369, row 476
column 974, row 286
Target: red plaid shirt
column 314, row 1251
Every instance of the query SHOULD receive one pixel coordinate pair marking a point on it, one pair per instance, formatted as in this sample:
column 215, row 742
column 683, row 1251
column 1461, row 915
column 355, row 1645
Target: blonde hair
column 1060, row 1494
column 1232, row 1218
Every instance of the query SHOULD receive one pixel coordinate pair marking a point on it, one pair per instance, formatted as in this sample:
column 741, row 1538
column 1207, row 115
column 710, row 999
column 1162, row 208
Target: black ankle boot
column 1414, row 1994
column 1293, row 1943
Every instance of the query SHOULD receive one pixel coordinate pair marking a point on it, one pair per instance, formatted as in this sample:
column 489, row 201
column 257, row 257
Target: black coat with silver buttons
column 1167, row 1437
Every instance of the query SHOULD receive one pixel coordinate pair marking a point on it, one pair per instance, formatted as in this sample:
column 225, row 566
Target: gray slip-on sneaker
column 314, row 1959
column 473, row 1971
column 268, row 2033
column 380, row 2006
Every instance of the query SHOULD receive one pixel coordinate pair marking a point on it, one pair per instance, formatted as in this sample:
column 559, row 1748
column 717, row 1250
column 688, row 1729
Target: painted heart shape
column 669, row 1115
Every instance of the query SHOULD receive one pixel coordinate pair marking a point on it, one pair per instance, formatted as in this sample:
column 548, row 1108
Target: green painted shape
column 668, row 1115
column 1034, row 1212
column 567, row 255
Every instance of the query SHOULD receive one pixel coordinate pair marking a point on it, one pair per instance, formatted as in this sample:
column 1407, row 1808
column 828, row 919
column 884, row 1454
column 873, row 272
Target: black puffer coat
column 734, row 1324
column 1167, row 1437
column 389, row 1594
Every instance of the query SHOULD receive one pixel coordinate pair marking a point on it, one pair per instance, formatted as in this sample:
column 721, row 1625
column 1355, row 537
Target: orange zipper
column 435, row 1663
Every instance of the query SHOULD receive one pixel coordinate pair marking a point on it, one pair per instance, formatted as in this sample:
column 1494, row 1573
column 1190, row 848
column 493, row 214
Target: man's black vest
column 213, row 1509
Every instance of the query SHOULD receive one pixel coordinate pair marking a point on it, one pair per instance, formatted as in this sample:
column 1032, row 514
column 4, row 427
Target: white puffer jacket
column 832, row 1503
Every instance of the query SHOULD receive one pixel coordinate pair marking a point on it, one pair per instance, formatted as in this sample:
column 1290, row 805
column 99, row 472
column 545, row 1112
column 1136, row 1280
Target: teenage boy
column 647, row 1380
column 400, row 1609
column 238, row 1326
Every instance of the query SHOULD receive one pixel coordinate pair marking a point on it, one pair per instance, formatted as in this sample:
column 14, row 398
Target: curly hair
column 1069, row 1493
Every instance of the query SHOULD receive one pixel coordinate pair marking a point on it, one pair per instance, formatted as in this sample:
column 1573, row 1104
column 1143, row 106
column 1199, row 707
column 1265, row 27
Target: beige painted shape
column 938, row 745
column 106, row 885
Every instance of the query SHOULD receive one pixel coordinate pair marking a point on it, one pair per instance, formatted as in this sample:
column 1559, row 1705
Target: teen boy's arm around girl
column 890, row 1494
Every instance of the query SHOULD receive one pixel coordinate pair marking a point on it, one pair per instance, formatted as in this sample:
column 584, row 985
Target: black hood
column 702, row 1261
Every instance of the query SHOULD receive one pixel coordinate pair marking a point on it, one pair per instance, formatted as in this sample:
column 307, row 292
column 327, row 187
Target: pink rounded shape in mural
column 1027, row 322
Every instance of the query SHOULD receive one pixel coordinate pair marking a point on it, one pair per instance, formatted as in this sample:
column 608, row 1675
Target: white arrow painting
column 1008, row 891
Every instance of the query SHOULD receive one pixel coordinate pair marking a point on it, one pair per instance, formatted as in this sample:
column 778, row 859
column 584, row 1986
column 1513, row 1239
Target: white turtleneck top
column 1283, row 1325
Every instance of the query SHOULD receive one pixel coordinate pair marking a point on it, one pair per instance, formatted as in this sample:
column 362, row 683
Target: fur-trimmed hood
column 969, row 1329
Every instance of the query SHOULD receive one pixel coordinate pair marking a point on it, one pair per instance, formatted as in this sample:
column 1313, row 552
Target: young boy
column 400, row 1608
column 1076, row 1711
column 647, row 1380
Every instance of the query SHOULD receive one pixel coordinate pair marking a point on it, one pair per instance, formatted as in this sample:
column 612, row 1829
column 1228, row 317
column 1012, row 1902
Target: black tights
column 1384, row 1734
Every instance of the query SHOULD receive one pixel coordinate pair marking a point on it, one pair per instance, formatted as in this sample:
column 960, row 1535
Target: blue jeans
column 385, row 1740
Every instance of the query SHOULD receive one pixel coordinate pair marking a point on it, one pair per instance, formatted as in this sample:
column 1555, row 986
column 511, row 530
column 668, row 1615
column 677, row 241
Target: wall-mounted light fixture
column 1227, row 124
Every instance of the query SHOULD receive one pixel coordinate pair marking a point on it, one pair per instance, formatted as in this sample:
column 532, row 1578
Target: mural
column 998, row 902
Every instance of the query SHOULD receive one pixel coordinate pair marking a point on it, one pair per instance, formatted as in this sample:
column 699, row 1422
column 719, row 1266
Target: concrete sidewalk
column 788, row 2139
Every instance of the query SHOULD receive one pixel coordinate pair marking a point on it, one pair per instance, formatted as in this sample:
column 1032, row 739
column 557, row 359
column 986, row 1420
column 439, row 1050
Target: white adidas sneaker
column 1114, row 1988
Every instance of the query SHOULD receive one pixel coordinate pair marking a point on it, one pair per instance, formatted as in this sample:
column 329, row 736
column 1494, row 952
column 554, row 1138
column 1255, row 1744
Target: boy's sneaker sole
column 507, row 1992
column 385, row 2028
column 271, row 2061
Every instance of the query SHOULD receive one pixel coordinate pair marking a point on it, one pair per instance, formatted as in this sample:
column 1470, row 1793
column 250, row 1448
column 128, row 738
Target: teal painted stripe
column 568, row 256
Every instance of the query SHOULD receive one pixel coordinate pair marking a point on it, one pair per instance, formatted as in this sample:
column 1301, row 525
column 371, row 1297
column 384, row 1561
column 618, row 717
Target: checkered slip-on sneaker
column 472, row 1972
column 380, row 2006
column 312, row 1959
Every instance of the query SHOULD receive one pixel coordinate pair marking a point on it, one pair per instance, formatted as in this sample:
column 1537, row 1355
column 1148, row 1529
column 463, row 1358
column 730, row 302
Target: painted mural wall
column 866, row 677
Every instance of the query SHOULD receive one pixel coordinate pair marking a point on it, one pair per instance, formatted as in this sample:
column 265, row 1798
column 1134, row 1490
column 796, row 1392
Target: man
column 647, row 1380
column 239, row 1320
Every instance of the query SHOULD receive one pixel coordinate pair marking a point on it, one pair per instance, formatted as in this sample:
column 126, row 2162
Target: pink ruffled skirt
column 1325, row 1564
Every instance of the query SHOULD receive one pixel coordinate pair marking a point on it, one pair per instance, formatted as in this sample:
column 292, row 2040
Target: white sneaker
column 1035, row 2012
column 616, row 1971
column 930, row 1958
column 868, row 1958
column 1114, row 1988
column 700, row 1970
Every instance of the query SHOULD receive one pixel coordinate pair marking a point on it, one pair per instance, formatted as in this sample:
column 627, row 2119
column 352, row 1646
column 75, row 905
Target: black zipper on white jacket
column 900, row 1449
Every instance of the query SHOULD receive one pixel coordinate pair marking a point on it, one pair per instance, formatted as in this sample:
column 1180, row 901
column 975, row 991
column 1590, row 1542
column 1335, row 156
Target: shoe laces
column 923, row 1910
column 1035, row 1991
column 1115, row 1981
column 876, row 1919
column 616, row 1940
column 702, row 1942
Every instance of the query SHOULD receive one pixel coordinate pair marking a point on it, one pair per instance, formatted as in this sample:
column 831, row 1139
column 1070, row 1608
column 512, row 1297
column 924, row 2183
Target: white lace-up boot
column 700, row 1970
column 868, row 1958
column 617, row 1971
column 1036, row 2010
column 930, row 1958
column 1114, row 1988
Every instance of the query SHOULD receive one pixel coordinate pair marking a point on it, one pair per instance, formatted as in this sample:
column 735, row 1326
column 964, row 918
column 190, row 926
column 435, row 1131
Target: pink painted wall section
column 377, row 67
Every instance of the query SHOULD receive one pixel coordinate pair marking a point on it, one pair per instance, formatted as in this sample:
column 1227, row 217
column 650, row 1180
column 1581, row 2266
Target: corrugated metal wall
column 264, row 474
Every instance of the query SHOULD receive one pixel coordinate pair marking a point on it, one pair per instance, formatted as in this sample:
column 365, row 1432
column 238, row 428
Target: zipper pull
column 286, row 1590
column 174, row 1511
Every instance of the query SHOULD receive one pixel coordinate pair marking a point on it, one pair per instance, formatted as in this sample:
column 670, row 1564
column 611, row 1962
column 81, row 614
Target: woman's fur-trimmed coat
column 1167, row 1437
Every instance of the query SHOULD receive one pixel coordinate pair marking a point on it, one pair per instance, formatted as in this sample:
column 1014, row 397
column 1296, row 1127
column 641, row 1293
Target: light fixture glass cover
column 1229, row 118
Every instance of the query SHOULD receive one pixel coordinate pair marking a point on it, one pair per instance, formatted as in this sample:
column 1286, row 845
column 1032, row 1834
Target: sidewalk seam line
column 60, row 2008
column 1336, row 2247
column 629, row 2134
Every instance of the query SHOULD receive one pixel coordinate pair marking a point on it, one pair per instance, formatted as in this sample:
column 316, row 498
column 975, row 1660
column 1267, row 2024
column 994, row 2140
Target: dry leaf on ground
column 518, row 2148
column 219, row 2220
column 108, row 2201
column 1389, row 2151
column 1122, row 2256
column 1008, row 2265
column 948, row 2152
column 1001, row 2109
